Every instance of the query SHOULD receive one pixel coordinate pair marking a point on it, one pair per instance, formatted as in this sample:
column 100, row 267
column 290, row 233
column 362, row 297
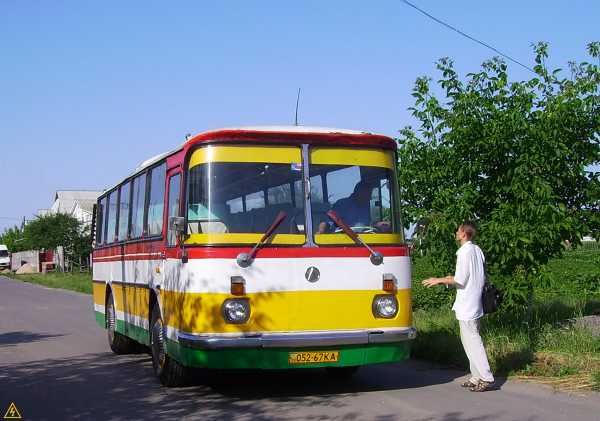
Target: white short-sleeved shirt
column 470, row 278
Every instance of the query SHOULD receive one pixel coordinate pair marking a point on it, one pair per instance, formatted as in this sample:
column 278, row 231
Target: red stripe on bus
column 142, row 247
column 271, row 252
column 291, row 252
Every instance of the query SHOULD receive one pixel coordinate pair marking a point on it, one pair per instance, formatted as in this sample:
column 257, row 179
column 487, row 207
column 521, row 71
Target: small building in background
column 77, row 203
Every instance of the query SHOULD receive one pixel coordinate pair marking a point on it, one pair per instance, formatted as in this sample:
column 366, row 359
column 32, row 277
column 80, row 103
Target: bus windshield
column 236, row 202
column 360, row 186
column 236, row 192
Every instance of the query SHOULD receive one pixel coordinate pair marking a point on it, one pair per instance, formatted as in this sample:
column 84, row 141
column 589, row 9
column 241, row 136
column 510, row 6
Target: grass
column 80, row 282
column 553, row 351
column 596, row 381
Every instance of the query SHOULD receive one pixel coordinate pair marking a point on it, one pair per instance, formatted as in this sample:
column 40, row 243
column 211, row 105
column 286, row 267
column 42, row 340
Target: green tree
column 51, row 231
column 13, row 239
column 513, row 156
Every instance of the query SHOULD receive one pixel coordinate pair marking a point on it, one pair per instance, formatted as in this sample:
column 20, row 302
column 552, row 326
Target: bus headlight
column 385, row 306
column 236, row 311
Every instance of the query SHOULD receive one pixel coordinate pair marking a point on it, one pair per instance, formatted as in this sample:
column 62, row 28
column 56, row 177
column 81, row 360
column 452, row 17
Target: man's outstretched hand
column 432, row 282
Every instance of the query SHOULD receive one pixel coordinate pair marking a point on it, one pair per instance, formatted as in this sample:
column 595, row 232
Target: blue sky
column 90, row 89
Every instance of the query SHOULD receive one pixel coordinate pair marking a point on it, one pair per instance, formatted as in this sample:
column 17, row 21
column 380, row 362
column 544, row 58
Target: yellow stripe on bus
column 348, row 156
column 245, row 238
column 367, row 238
column 283, row 311
column 98, row 293
column 270, row 154
column 131, row 300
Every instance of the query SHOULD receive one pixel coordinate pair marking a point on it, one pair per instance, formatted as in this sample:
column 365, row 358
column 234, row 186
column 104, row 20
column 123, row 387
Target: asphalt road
column 55, row 364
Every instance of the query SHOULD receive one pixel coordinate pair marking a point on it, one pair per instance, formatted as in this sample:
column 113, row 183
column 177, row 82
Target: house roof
column 66, row 200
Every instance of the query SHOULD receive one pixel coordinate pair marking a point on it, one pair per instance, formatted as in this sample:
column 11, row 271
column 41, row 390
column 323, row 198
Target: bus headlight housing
column 385, row 306
column 236, row 310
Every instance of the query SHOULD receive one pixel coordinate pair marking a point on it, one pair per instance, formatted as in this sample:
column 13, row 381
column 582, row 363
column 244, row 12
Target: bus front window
column 360, row 186
column 235, row 193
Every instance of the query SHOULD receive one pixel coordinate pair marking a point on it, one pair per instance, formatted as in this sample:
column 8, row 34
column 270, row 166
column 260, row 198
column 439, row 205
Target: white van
column 4, row 258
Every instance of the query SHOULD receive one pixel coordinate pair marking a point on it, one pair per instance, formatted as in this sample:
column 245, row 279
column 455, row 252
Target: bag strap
column 485, row 272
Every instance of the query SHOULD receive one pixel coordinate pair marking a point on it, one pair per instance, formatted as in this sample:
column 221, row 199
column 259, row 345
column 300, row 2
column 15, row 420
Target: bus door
column 171, row 263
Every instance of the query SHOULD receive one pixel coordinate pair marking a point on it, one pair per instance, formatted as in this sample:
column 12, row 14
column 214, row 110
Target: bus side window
column 156, row 200
column 111, row 217
column 138, row 198
column 100, row 221
column 123, row 211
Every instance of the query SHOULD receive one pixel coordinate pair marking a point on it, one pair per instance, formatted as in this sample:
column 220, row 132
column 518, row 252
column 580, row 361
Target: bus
column 261, row 247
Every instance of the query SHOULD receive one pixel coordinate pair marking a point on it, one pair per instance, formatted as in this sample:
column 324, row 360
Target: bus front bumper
column 297, row 339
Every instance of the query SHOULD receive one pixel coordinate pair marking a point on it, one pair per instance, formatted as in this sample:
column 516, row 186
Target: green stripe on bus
column 277, row 358
column 138, row 334
column 100, row 319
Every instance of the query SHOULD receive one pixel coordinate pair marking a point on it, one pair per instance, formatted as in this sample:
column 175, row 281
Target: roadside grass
column 558, row 350
column 552, row 351
column 596, row 381
column 80, row 282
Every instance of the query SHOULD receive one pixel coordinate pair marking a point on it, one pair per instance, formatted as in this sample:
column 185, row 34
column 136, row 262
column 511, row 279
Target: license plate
column 313, row 357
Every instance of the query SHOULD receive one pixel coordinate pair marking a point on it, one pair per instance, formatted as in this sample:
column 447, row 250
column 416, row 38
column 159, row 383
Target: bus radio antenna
column 297, row 101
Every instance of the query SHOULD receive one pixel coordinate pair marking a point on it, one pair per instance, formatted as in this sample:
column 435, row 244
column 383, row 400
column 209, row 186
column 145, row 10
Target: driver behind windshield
column 354, row 210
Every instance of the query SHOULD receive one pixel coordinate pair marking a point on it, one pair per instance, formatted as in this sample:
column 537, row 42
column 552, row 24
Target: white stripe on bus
column 264, row 275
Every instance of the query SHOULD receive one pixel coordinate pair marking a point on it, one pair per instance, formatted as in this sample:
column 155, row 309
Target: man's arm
column 448, row 280
column 460, row 275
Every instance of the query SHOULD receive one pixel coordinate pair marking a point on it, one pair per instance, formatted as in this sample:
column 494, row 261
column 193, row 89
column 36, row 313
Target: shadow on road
column 105, row 386
column 256, row 384
column 22, row 337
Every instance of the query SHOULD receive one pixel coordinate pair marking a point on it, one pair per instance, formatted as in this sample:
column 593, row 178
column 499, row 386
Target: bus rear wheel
column 169, row 372
column 120, row 344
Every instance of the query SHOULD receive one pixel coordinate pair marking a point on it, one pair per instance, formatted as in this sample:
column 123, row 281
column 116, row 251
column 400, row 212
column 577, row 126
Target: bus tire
column 342, row 373
column 120, row 344
column 169, row 372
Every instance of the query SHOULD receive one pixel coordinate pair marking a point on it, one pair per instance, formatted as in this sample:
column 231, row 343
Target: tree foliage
column 13, row 239
column 513, row 156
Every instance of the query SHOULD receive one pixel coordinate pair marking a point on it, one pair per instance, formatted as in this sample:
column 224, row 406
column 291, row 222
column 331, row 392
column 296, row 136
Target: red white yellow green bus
column 257, row 248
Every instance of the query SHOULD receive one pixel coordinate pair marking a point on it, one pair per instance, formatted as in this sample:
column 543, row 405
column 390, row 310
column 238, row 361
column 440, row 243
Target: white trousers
column 473, row 345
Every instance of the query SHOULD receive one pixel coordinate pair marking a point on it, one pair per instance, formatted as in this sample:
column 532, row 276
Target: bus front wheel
column 169, row 372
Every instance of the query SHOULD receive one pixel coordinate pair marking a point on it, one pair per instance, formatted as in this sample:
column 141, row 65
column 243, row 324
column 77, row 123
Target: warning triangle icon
column 12, row 413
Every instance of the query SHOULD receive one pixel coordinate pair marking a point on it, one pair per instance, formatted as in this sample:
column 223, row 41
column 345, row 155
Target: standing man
column 469, row 278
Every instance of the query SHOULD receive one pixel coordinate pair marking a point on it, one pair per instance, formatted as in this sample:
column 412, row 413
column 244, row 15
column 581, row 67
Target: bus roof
column 273, row 135
column 291, row 129
column 281, row 131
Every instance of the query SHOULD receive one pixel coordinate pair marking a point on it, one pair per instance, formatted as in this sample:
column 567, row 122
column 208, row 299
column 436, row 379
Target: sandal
column 482, row 386
column 468, row 383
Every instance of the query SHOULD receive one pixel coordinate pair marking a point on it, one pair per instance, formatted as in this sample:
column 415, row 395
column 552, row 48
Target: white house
column 77, row 203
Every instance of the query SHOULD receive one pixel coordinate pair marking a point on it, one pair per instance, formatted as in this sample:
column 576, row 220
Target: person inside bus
column 354, row 210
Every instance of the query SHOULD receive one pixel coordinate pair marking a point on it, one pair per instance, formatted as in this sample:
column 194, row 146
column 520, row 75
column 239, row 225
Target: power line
column 441, row 22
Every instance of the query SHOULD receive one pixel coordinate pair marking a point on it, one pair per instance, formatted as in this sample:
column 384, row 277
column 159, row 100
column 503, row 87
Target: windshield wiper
column 376, row 257
column 245, row 259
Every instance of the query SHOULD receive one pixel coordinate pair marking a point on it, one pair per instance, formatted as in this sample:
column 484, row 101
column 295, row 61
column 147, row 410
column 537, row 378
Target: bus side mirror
column 177, row 224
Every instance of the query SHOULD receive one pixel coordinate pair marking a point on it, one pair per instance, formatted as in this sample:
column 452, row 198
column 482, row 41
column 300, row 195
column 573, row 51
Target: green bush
column 575, row 274
column 428, row 298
